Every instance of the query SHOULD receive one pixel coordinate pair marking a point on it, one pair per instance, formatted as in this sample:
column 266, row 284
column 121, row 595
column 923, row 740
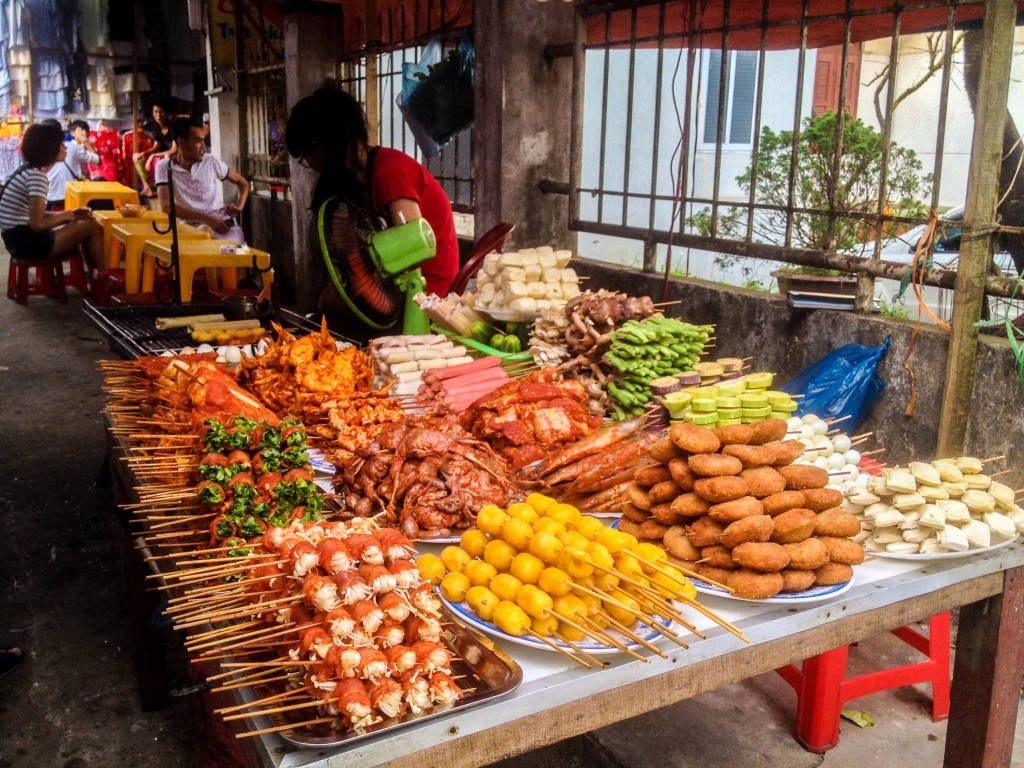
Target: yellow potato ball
column 490, row 518
column 499, row 553
column 526, row 567
column 431, row 568
column 522, row 511
column 454, row 586
column 455, row 558
column 540, row 502
column 506, row 586
column 517, row 532
column 479, row 572
column 482, row 601
column 473, row 540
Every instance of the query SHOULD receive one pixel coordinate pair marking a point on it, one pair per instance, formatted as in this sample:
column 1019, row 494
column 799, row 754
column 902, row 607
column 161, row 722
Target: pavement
column 73, row 703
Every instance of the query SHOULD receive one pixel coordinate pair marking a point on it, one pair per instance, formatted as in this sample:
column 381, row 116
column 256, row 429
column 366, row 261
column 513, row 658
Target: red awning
column 399, row 22
column 679, row 20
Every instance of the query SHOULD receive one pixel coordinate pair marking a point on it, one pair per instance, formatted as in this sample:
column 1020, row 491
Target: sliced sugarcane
column 165, row 323
column 224, row 325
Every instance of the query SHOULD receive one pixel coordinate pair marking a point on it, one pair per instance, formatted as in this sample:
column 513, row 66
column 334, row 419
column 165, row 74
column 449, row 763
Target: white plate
column 507, row 315
column 439, row 540
column 939, row 555
column 812, row 595
column 590, row 646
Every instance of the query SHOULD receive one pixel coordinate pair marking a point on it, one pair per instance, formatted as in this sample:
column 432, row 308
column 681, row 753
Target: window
column 741, row 82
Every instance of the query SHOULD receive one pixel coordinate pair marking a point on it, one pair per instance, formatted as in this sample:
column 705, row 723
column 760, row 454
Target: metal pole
column 979, row 213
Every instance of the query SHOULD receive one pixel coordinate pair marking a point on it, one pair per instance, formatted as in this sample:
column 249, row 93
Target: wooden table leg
column 987, row 674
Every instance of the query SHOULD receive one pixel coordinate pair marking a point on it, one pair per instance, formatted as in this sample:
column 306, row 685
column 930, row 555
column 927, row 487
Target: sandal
column 10, row 660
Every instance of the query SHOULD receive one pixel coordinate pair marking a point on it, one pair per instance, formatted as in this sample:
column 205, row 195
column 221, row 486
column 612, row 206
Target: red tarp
column 399, row 22
column 870, row 19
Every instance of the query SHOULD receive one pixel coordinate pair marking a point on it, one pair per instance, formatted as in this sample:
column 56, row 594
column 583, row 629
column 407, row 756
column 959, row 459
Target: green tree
column 853, row 184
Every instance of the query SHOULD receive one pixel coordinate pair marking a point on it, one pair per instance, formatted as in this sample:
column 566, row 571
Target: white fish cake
column 979, row 502
column 905, row 501
column 956, row 511
column 1001, row 526
column 932, row 516
column 515, row 275
column 953, row 539
column 925, row 473
column 883, row 536
column 969, row 465
column 511, row 259
column 517, row 290
column 931, row 547
column 1017, row 516
column 949, row 472
column 533, row 272
column 899, row 480
column 570, row 291
column 933, row 492
column 1003, row 494
column 547, row 260
column 562, row 258
column 979, row 534
column 525, row 305
column 902, row 547
column 569, row 276
column 877, row 486
column 919, row 535
column 978, row 482
column 863, row 497
column 890, row 517
column 954, row 489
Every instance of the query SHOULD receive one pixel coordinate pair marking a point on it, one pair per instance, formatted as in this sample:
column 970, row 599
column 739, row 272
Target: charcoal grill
column 131, row 329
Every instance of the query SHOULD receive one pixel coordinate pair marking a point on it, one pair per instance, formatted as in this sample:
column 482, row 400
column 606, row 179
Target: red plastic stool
column 822, row 686
column 78, row 274
column 49, row 279
column 105, row 283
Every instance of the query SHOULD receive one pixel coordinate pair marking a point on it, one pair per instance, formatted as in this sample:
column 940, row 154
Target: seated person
column 159, row 129
column 30, row 231
column 197, row 181
column 74, row 167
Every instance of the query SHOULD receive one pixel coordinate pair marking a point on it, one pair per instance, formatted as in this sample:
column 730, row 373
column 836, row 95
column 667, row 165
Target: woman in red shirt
column 327, row 132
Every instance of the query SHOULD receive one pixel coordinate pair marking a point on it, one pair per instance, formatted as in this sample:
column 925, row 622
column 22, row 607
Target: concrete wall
column 786, row 341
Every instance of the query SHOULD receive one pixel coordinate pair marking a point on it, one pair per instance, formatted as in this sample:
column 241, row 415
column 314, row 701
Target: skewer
column 636, row 638
column 211, row 656
column 289, row 726
column 1001, row 472
column 555, row 647
column 993, row 458
column 202, row 636
column 609, row 639
column 668, row 303
column 858, row 437
column 597, row 662
column 236, row 613
column 873, row 453
column 260, row 702
column 248, row 684
column 254, row 637
column 715, row 618
column 833, row 422
column 212, row 550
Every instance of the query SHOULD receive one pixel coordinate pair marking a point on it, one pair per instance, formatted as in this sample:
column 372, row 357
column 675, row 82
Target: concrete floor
column 73, row 703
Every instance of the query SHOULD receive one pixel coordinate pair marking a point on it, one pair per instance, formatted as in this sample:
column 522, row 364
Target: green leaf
column 858, row 718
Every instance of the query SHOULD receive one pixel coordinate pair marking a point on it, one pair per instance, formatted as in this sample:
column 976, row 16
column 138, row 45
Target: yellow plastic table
column 202, row 254
column 107, row 219
column 79, row 193
column 134, row 235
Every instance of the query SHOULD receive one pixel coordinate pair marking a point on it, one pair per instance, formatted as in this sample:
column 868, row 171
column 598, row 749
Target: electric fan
column 376, row 271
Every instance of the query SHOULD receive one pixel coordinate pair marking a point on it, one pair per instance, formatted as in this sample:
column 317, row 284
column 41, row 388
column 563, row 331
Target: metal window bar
column 594, row 217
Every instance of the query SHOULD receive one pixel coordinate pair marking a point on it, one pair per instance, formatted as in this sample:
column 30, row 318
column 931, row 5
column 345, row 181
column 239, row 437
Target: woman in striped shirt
column 30, row 231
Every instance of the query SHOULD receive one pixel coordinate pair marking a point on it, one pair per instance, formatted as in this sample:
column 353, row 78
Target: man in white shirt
column 197, row 183
column 74, row 167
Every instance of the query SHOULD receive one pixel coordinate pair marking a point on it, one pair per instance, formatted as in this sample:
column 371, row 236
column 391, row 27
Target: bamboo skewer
column 596, row 662
column 555, row 647
column 993, row 458
column 875, row 452
column 203, row 636
column 288, row 727
column 622, row 628
column 244, row 684
column 261, row 703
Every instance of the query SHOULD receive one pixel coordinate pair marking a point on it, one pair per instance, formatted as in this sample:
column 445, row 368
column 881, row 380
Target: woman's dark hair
column 41, row 144
column 334, row 120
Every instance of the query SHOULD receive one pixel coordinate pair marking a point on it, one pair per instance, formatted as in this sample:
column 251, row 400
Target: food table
column 134, row 235
column 108, row 219
column 80, row 193
column 203, row 254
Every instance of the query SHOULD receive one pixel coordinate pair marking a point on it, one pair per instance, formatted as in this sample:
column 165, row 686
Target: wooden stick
column 993, row 458
column 865, row 434
column 555, row 647
column 290, row 694
column 622, row 628
column 597, row 662
column 715, row 618
column 609, row 639
column 290, row 726
column 236, row 613
column 875, row 452
column 1001, row 472
column 254, row 637
column 250, row 683
column 832, row 422
column 202, row 636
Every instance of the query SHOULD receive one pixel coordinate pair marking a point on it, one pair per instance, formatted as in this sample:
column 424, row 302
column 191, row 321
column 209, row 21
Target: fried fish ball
column 785, row 451
column 681, row 474
column 763, row 481
column 751, row 455
column 638, row 497
column 754, row 528
column 634, row 513
column 768, row 431
column 731, row 511
column 651, row 529
column 837, row 522
column 704, row 532
column 678, row 544
column 652, row 475
column 712, row 574
column 663, row 514
column 694, row 439
column 718, row 556
column 690, row 505
column 832, row 573
column 820, row 499
column 663, row 492
column 797, row 581
column 800, row 476
column 754, row 585
column 664, row 451
column 794, row 525
column 714, row 465
column 764, row 556
column 807, row 555
column 778, row 503
column 734, row 434
column 719, row 489
column 845, row 551
column 630, row 527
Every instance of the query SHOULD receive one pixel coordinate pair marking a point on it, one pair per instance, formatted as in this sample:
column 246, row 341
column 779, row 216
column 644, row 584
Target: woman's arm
column 39, row 219
column 402, row 210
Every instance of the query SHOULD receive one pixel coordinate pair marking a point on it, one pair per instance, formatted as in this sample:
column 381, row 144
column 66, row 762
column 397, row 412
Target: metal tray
column 490, row 672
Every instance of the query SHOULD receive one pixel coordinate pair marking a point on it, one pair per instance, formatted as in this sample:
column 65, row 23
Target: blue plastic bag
column 437, row 95
column 843, row 383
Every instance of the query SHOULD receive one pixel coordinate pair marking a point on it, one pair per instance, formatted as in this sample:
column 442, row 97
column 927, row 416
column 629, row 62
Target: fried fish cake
column 731, row 511
column 652, row 475
column 681, row 474
column 837, row 522
column 714, row 465
column 629, row 526
column 712, row 574
column 665, row 450
column 801, row 476
column 793, row 525
column 764, row 556
column 678, row 544
column 634, row 513
column 820, row 499
column 718, row 556
column 694, row 439
column 778, row 503
column 807, row 555
column 768, row 431
column 751, row 455
column 690, row 505
column 754, row 528
column 845, row 551
column 663, row 492
column 832, row 573
column 734, row 434
column 785, row 451
column 754, row 585
column 638, row 497
column 704, row 532
column 719, row 489
column 663, row 514
column 797, row 581
column 763, row 481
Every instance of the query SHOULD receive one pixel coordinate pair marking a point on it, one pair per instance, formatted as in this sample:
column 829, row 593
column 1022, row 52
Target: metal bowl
column 240, row 307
